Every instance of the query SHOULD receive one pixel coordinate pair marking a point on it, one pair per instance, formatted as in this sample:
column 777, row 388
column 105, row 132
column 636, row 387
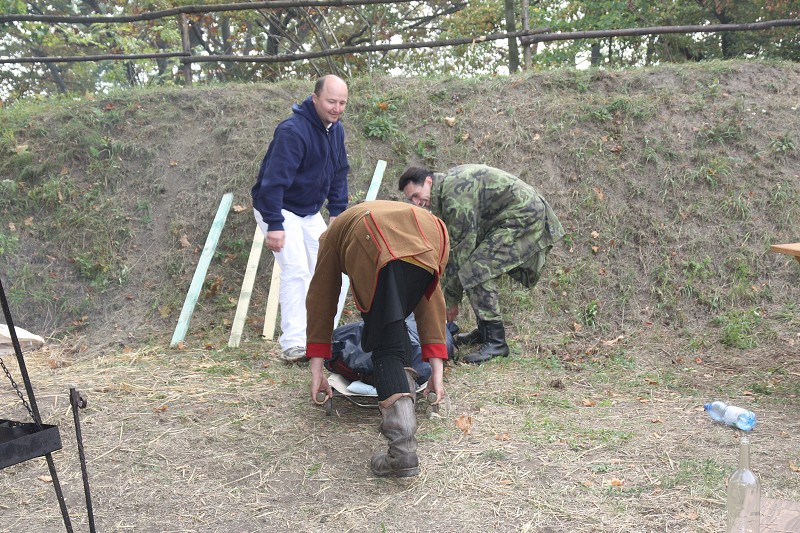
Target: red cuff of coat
column 318, row 350
column 437, row 351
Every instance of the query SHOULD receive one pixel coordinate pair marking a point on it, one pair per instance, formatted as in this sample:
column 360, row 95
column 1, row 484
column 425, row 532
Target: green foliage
column 242, row 32
column 9, row 242
column 782, row 145
column 379, row 117
column 588, row 315
column 738, row 328
column 710, row 173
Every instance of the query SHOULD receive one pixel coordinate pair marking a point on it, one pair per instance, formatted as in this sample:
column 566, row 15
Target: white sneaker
column 295, row 354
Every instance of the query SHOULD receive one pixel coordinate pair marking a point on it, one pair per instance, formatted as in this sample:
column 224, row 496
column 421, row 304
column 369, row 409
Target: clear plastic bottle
column 744, row 495
column 731, row 415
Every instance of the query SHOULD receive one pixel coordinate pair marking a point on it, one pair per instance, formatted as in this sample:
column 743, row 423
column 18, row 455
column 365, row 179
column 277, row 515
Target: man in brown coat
column 394, row 254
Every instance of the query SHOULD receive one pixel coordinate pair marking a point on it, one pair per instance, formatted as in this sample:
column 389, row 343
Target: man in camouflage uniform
column 498, row 224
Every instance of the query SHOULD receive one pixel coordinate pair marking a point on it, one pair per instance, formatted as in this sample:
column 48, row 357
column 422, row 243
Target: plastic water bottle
column 744, row 495
column 731, row 415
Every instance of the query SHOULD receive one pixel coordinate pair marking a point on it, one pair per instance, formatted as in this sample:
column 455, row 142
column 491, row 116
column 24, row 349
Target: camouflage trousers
column 485, row 297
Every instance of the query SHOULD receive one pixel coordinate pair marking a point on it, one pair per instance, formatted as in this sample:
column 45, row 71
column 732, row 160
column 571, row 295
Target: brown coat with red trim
column 359, row 243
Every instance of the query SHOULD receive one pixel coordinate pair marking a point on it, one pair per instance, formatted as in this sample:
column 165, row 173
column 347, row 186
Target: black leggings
column 400, row 287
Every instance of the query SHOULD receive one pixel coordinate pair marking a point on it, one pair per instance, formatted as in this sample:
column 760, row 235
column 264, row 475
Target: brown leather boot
column 398, row 425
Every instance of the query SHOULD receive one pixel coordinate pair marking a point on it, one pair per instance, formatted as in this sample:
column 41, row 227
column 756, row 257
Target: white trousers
column 297, row 261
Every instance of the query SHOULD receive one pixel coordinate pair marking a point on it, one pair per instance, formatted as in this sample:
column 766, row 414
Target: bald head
column 330, row 98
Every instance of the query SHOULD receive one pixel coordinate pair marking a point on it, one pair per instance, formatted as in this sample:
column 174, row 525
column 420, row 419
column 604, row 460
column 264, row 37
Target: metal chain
column 16, row 388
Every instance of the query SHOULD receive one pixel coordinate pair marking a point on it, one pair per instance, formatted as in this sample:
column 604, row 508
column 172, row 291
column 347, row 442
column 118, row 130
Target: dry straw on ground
column 227, row 440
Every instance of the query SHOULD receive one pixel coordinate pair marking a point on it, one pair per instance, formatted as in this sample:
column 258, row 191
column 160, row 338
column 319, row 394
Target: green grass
column 739, row 329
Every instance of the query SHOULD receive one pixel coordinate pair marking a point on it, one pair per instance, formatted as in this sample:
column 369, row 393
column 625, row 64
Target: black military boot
column 494, row 343
column 473, row 337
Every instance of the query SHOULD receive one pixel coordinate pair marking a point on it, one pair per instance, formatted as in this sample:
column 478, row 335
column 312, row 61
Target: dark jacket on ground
column 305, row 164
column 359, row 243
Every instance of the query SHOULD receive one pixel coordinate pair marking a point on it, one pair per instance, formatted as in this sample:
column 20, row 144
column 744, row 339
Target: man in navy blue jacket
column 305, row 165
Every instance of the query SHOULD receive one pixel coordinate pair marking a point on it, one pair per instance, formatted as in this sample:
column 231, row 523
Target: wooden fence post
column 202, row 268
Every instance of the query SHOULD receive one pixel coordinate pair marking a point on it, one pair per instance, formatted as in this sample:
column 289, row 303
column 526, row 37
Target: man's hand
column 319, row 383
column 275, row 240
column 436, row 381
column 452, row 313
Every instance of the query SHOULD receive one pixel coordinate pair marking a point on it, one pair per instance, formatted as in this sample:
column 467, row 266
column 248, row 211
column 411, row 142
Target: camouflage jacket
column 496, row 222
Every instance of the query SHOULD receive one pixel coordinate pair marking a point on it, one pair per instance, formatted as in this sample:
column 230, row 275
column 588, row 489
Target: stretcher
column 359, row 393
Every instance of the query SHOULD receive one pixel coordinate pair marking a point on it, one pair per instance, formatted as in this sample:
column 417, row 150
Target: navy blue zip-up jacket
column 305, row 164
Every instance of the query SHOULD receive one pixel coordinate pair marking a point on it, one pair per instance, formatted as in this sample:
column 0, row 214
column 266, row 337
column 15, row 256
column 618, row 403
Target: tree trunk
column 511, row 27
column 596, row 56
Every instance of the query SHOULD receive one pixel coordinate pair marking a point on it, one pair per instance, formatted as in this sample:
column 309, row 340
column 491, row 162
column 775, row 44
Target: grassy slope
column 672, row 181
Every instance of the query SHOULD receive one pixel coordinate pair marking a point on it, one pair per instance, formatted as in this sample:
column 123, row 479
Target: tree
column 291, row 30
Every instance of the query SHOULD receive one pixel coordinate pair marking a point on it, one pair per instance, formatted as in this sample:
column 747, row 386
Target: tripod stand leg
column 77, row 401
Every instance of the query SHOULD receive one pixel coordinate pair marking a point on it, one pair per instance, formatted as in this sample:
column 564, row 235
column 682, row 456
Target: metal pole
column 78, row 401
column 34, row 409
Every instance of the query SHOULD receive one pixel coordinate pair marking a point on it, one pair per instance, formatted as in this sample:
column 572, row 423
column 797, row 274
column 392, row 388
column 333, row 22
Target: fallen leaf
column 28, row 221
column 616, row 482
column 693, row 515
column 450, row 121
column 239, row 208
column 185, row 241
column 464, row 423
column 595, row 235
column 612, row 342
column 599, row 194
column 465, row 137
column 595, row 249
column 160, row 408
column 21, row 148
column 181, row 345
column 173, row 163
column 45, row 479
column 502, row 436
column 793, row 467
column 576, row 327
column 588, row 403
column 536, row 137
column 587, row 483
column 383, row 106
column 213, row 289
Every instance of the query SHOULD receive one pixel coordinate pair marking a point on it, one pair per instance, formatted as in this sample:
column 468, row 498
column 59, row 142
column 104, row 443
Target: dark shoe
column 465, row 339
column 494, row 344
